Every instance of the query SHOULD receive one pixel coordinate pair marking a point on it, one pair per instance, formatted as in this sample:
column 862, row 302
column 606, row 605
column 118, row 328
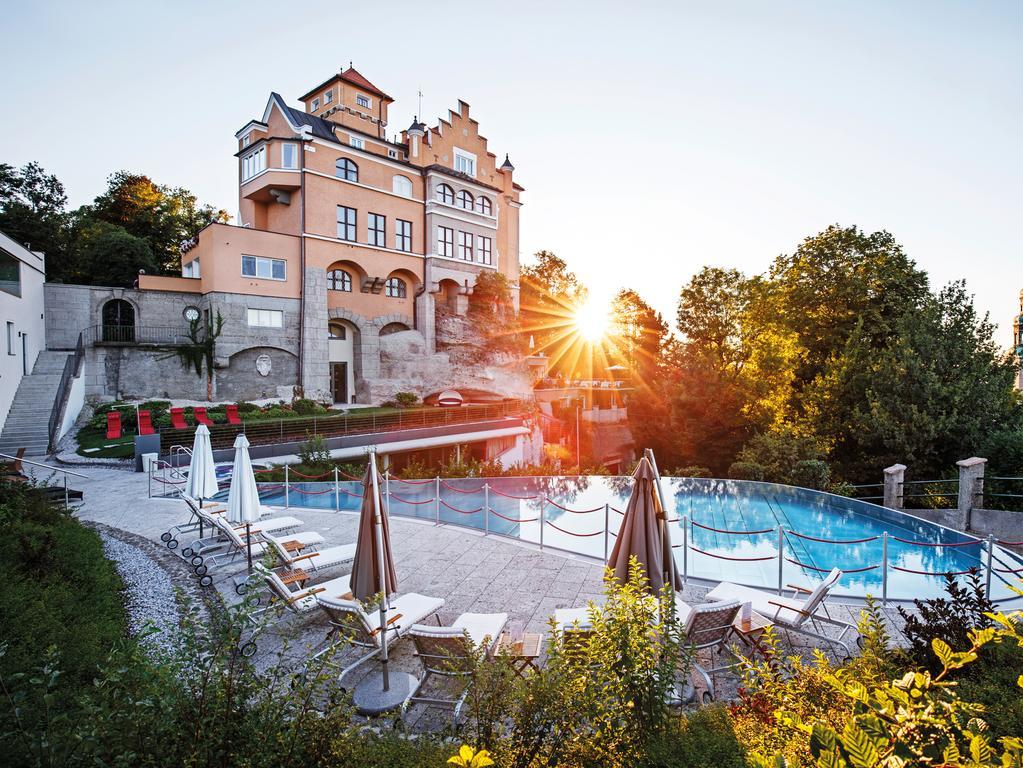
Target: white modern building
column 22, row 274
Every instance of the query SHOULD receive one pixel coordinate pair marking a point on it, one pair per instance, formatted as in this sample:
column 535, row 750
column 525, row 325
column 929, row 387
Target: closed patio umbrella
column 645, row 534
column 243, row 496
column 373, row 574
column 202, row 471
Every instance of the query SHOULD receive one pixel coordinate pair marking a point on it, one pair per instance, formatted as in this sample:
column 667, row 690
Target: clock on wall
column 191, row 313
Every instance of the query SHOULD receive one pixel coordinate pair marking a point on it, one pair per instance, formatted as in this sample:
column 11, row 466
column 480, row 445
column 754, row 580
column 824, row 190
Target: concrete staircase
column 28, row 421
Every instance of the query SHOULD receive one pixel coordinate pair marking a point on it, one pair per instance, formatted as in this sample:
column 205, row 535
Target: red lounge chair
column 113, row 425
column 178, row 418
column 145, row 423
column 201, row 417
column 232, row 415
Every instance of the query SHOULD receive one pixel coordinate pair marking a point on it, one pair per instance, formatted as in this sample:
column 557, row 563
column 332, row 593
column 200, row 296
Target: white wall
column 75, row 403
column 24, row 313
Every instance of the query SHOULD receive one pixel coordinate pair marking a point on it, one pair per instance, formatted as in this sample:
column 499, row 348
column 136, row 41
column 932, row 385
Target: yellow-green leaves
column 467, row 757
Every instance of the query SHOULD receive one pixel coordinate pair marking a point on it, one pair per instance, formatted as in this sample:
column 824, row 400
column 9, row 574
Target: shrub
column 406, row 399
column 245, row 407
column 306, row 407
column 313, row 453
column 746, row 470
column 703, row 739
column 693, row 471
column 811, row 473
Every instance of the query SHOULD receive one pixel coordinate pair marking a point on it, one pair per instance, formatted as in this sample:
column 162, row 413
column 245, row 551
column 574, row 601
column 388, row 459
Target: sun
column 591, row 320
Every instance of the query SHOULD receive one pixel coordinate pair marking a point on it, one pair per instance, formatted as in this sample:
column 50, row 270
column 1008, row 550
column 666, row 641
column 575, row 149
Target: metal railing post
column 149, row 478
column 436, row 499
column 66, row 496
column 781, row 559
column 287, row 487
column 486, row 509
column 543, row 505
column 685, row 550
column 387, row 490
column 607, row 527
column 990, row 557
column 337, row 493
column 884, row 568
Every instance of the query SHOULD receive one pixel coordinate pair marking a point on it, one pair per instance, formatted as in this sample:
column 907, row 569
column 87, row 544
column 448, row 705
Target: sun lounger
column 199, row 413
column 707, row 627
column 177, row 416
column 240, row 541
column 232, row 414
column 451, row 652
column 206, row 516
column 363, row 630
column 113, row 425
column 802, row 615
column 145, row 423
column 320, row 560
column 303, row 598
column 11, row 471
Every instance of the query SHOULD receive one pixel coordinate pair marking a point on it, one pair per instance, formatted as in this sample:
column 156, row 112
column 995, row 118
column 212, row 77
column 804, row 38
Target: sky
column 652, row 138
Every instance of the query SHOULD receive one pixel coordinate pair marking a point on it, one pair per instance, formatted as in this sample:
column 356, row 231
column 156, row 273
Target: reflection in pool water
column 732, row 528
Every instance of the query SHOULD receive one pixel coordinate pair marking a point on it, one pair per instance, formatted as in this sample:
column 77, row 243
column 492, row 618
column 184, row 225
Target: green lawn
column 96, row 439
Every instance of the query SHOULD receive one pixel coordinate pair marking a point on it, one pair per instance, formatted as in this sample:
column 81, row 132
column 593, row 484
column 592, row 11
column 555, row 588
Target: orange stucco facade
column 355, row 225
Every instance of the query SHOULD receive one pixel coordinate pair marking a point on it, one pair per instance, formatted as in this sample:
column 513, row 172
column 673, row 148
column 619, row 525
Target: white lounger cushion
column 482, row 628
column 275, row 524
column 412, row 607
column 573, row 618
column 761, row 602
column 323, row 558
column 333, row 588
column 305, row 538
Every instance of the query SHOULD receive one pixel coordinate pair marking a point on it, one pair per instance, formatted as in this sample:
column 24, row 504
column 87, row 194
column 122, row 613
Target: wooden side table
column 749, row 631
column 521, row 654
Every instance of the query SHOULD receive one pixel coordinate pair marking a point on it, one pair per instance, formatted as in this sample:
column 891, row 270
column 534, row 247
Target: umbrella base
column 370, row 698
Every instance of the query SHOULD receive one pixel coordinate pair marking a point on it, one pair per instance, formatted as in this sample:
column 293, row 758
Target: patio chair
column 11, row 471
column 177, row 417
column 292, row 557
column 200, row 416
column 449, row 652
column 707, row 627
column 113, row 425
column 170, row 536
column 145, row 423
column 237, row 540
column 791, row 614
column 362, row 630
column 232, row 414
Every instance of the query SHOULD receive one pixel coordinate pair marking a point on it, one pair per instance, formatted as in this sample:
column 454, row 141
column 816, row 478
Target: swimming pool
column 721, row 529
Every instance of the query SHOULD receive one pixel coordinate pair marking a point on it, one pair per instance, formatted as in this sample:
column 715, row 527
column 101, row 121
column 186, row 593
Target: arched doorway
column 341, row 336
column 118, row 318
column 390, row 328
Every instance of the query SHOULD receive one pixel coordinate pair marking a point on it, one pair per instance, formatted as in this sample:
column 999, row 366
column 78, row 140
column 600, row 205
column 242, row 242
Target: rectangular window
column 485, row 254
column 253, row 163
column 392, row 153
column 264, row 268
column 328, row 96
column 289, row 155
column 246, row 141
column 356, row 142
column 266, row 318
column 191, row 269
column 346, row 223
column 363, row 101
column 446, row 242
column 10, row 274
column 465, row 246
column 403, row 235
column 10, row 338
column 378, row 230
column 465, row 162
column 316, row 104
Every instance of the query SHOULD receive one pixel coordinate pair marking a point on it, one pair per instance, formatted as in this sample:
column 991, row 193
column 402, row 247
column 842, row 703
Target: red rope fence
column 410, row 501
column 460, row 490
column 411, row 482
column 512, row 519
column 726, row 557
column 512, row 496
column 938, row 544
column 929, row 573
column 461, row 511
column 733, row 533
column 828, row 570
column 553, row 503
column 570, row 533
column 833, row 541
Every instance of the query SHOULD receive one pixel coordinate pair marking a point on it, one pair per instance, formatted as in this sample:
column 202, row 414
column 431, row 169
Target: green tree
column 111, row 256
column 32, row 212
column 636, row 336
column 548, row 295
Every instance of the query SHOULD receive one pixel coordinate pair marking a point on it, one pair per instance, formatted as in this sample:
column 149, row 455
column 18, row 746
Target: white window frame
column 355, row 141
column 316, row 104
column 369, row 101
column 254, row 163
column 246, row 140
column 264, row 261
column 264, row 318
column 191, row 269
column 402, row 180
column 294, row 158
column 461, row 154
column 328, row 96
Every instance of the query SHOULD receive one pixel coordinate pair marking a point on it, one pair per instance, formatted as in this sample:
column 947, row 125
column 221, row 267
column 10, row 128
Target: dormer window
column 328, row 97
column 465, row 162
column 363, row 101
column 316, row 104
column 356, row 142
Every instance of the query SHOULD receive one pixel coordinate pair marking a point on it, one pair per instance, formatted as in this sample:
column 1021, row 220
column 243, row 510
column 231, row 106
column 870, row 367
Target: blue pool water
column 574, row 520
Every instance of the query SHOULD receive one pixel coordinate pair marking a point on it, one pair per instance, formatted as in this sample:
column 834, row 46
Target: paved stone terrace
column 469, row 571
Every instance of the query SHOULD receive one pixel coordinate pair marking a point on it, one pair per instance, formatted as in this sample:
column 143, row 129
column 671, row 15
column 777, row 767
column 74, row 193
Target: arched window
column 446, row 194
column 390, row 328
column 465, row 199
column 402, row 185
column 395, row 288
column 118, row 321
column 346, row 169
column 339, row 280
column 483, row 205
column 337, row 331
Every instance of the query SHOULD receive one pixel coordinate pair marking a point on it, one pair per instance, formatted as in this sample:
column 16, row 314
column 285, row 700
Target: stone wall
column 243, row 381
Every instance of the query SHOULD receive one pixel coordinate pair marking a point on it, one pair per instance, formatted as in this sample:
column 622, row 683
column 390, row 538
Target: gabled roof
column 350, row 75
column 321, row 129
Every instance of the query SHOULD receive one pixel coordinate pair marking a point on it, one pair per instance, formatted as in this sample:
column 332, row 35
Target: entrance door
column 339, row 382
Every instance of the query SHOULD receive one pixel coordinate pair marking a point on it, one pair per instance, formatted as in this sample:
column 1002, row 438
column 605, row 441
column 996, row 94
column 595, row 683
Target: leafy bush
column 746, row 470
column 703, row 739
column 406, row 399
column 691, row 472
column 305, row 407
column 779, row 453
column 246, row 408
column 811, row 473
column 313, row 453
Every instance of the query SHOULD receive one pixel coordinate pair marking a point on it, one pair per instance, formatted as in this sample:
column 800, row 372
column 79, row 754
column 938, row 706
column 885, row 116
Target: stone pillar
column 971, row 488
column 315, row 355
column 893, row 479
column 426, row 320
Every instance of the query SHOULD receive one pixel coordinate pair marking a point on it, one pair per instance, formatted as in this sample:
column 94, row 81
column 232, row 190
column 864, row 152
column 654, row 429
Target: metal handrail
column 72, row 370
column 136, row 334
column 44, row 466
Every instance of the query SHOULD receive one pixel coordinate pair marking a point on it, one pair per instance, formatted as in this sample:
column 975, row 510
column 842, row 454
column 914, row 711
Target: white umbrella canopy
column 202, row 472
column 243, row 496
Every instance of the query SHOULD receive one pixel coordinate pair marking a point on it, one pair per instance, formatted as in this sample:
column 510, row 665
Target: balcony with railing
column 136, row 335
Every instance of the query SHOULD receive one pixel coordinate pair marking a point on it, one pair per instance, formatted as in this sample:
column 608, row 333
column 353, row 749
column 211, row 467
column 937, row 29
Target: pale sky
column 652, row 138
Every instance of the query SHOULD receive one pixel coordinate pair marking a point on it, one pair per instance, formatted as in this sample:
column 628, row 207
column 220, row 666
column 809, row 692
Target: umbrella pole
column 248, row 543
column 379, row 541
column 200, row 517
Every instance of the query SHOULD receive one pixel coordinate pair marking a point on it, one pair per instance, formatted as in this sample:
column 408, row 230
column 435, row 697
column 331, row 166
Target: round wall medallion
column 191, row 313
column 264, row 365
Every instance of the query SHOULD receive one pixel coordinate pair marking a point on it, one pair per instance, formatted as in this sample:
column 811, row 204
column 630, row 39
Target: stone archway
column 117, row 318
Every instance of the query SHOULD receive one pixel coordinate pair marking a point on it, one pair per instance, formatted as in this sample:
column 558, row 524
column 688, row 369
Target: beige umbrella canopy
column 373, row 563
column 645, row 534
